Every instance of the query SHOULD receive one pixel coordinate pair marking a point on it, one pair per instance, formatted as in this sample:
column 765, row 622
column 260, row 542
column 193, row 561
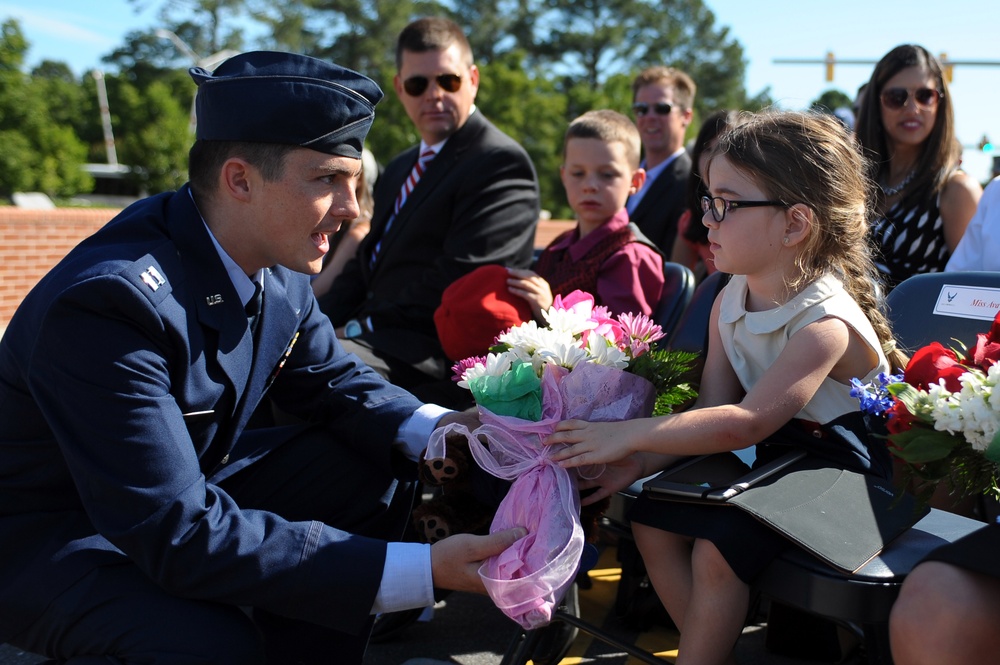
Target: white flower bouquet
column 584, row 364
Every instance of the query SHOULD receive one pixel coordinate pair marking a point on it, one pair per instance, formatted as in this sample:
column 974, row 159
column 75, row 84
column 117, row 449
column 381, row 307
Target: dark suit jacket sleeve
column 661, row 207
column 106, row 372
column 493, row 220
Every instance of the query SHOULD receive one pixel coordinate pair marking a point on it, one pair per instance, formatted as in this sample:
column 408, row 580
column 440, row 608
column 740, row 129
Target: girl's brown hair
column 810, row 158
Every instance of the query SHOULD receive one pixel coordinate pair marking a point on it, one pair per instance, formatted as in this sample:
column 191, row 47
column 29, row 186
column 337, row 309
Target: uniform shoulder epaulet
column 150, row 277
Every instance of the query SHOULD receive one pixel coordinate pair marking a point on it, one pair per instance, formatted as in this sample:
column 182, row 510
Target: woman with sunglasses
column 907, row 128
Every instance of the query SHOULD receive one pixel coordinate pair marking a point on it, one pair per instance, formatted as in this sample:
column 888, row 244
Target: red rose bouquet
column 943, row 415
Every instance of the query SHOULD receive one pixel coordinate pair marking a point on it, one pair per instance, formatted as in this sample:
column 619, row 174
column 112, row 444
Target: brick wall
column 32, row 241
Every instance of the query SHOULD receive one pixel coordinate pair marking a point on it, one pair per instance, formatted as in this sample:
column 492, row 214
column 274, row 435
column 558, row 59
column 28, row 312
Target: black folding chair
column 678, row 289
column 943, row 307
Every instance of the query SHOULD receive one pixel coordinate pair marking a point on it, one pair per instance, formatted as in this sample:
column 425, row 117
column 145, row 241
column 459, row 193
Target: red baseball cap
column 476, row 308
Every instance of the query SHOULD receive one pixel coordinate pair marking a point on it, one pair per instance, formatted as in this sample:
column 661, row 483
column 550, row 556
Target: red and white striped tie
column 411, row 182
column 404, row 192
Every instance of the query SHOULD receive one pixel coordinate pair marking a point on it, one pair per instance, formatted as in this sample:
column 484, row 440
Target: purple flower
column 874, row 397
column 458, row 369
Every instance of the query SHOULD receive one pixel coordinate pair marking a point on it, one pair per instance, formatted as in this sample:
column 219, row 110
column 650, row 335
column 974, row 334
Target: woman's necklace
column 892, row 191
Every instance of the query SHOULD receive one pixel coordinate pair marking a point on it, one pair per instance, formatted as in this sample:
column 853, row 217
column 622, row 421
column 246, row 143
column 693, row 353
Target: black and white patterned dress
column 910, row 240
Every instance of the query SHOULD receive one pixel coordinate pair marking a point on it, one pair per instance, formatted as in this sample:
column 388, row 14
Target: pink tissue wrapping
column 528, row 579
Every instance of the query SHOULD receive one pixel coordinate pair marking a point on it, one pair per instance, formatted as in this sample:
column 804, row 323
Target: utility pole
column 209, row 63
column 102, row 98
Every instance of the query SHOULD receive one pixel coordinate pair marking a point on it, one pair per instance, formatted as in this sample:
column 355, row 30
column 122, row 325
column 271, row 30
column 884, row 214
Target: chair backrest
column 943, row 307
column 691, row 332
column 678, row 288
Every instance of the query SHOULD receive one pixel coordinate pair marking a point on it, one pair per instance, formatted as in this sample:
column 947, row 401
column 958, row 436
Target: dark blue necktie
column 253, row 307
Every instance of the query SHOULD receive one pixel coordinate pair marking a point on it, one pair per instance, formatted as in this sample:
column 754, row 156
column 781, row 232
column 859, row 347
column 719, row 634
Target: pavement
column 467, row 629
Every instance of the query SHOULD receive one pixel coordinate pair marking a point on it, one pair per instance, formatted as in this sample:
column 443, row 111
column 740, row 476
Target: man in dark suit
column 662, row 100
column 141, row 519
column 474, row 202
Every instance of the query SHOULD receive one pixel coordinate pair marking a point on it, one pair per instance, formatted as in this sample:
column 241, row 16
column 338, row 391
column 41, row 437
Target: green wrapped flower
column 517, row 392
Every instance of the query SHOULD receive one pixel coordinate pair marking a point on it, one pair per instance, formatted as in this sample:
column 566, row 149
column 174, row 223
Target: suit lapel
column 660, row 190
column 438, row 170
column 389, row 184
column 218, row 306
column 278, row 324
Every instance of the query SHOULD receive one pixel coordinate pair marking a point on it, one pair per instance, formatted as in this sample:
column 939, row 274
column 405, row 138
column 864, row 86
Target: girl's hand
column 616, row 477
column 533, row 288
column 596, row 443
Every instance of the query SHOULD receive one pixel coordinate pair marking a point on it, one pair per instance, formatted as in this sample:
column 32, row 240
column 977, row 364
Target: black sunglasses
column 659, row 108
column 416, row 85
column 896, row 98
column 719, row 206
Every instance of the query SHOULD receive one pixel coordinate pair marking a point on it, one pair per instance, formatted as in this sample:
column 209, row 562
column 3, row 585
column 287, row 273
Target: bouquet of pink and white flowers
column 578, row 335
column 943, row 415
column 584, row 364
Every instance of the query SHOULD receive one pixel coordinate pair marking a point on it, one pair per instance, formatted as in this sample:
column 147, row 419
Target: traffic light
column 829, row 65
column 948, row 68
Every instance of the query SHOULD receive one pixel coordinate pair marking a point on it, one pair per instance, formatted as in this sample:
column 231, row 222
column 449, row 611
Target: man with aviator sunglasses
column 662, row 101
column 470, row 200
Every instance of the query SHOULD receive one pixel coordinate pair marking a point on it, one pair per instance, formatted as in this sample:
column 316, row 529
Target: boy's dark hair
column 608, row 126
column 206, row 158
column 432, row 33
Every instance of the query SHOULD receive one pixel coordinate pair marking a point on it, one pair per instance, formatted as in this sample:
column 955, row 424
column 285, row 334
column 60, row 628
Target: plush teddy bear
column 458, row 507
column 455, row 508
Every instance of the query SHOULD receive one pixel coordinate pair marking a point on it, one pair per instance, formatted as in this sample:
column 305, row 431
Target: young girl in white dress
column 787, row 216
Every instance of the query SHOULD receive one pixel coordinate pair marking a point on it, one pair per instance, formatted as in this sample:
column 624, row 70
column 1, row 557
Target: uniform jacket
column 126, row 379
column 476, row 204
column 664, row 203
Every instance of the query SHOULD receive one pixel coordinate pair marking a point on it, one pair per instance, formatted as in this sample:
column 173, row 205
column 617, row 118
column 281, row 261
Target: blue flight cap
column 273, row 97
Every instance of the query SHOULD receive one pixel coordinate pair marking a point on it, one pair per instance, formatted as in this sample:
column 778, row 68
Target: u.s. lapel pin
column 214, row 300
column 152, row 277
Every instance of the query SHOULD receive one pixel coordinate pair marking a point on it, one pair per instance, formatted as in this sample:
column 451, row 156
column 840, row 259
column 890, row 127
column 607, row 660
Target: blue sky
column 79, row 32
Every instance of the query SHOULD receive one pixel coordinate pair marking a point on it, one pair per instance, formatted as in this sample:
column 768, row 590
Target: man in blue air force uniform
column 141, row 520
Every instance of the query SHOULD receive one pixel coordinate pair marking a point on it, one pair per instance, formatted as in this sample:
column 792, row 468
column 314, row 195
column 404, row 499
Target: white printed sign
column 968, row 302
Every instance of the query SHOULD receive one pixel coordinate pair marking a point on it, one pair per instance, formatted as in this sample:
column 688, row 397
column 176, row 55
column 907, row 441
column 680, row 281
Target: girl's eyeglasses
column 719, row 206
column 896, row 98
column 417, row 85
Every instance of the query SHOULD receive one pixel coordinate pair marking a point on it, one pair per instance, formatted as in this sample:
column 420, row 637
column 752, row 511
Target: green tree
column 359, row 34
column 529, row 109
column 831, row 100
column 497, row 28
column 543, row 61
column 39, row 153
column 64, row 96
column 205, row 26
column 154, row 133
